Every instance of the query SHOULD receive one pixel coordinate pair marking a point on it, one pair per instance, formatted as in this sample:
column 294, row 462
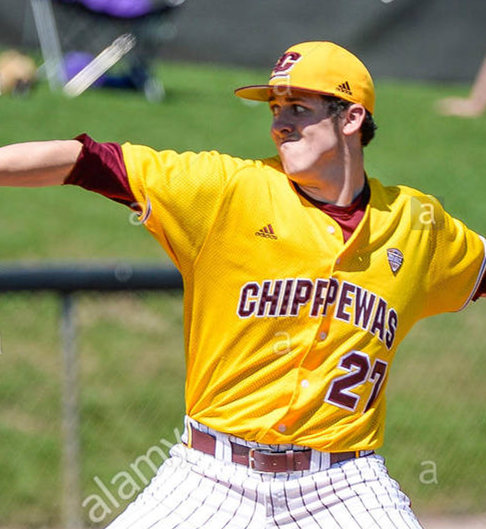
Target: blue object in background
column 117, row 8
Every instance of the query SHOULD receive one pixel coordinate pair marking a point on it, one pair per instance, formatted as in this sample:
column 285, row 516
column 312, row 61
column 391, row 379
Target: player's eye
column 299, row 109
column 274, row 109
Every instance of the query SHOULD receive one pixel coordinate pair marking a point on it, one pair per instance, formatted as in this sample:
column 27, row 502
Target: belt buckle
column 251, row 461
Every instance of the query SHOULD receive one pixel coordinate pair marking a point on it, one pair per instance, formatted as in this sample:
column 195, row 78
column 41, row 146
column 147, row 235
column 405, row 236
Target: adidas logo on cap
column 345, row 88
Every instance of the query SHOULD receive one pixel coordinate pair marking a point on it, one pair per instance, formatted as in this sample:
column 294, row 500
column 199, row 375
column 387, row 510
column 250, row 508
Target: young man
column 301, row 279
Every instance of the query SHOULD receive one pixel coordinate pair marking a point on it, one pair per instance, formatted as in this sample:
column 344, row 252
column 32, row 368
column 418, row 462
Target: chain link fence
column 115, row 356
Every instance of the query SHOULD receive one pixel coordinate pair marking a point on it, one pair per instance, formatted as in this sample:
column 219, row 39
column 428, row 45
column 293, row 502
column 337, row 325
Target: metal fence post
column 72, row 516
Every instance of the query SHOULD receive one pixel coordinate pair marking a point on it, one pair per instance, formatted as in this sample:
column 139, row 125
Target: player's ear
column 353, row 118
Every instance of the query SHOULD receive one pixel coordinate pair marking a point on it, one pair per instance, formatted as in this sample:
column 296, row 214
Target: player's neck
column 338, row 183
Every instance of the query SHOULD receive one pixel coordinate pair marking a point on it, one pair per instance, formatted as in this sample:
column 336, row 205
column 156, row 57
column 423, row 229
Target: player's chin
column 294, row 158
column 289, row 164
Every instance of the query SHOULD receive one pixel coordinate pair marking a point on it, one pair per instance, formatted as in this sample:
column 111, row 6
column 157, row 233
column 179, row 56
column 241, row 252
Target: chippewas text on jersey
column 289, row 297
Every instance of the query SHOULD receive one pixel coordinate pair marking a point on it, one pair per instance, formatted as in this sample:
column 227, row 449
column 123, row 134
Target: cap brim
column 255, row 92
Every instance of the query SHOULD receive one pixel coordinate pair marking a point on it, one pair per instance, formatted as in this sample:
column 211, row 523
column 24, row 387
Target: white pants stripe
column 194, row 491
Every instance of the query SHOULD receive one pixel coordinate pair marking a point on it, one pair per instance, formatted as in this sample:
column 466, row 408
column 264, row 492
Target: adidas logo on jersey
column 267, row 232
column 345, row 88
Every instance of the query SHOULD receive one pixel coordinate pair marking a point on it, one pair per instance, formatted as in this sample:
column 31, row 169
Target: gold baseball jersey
column 290, row 331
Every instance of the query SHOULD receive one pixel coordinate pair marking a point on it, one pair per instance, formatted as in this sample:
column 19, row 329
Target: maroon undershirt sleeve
column 100, row 168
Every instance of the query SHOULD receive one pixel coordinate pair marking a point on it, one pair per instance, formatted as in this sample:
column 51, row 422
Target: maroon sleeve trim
column 100, row 168
column 481, row 291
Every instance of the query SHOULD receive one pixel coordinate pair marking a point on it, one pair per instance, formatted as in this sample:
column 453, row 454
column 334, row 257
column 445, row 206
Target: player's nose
column 282, row 125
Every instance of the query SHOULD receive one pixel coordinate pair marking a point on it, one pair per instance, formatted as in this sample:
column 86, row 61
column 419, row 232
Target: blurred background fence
column 87, row 352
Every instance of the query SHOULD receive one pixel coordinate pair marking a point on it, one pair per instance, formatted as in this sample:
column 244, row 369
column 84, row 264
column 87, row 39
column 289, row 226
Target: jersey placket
column 333, row 237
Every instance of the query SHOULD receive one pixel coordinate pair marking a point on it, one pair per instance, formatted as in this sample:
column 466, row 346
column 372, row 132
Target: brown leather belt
column 264, row 460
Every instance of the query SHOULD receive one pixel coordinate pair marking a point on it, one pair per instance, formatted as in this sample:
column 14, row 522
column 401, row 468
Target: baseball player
column 302, row 275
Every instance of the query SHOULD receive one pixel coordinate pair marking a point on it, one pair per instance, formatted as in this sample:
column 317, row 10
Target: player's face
column 306, row 136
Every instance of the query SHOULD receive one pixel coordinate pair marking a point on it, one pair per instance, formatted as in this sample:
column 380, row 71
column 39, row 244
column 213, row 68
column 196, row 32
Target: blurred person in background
column 472, row 106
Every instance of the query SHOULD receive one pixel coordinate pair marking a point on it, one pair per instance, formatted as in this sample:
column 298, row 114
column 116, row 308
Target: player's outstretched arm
column 39, row 163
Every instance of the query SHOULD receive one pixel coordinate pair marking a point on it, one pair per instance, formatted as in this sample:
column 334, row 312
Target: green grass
column 131, row 352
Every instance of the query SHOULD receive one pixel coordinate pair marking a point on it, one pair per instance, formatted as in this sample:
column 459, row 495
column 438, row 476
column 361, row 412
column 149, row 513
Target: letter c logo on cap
column 286, row 63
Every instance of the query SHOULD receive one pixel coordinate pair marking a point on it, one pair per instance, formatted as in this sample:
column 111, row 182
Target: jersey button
column 322, row 336
column 282, row 428
column 305, row 383
column 331, row 229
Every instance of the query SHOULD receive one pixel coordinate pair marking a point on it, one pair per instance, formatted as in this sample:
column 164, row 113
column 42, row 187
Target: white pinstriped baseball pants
column 193, row 490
